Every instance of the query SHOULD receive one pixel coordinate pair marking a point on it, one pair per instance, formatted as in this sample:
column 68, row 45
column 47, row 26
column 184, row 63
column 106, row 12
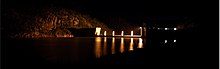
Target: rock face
column 46, row 22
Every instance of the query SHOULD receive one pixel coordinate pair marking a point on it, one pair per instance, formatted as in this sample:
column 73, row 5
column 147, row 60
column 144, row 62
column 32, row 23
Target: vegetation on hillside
column 46, row 22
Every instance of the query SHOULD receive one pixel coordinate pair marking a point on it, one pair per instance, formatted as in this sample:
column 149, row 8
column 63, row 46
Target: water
column 64, row 51
column 157, row 49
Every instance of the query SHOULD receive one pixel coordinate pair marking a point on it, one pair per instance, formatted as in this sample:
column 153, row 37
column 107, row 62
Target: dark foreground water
column 155, row 51
column 78, row 50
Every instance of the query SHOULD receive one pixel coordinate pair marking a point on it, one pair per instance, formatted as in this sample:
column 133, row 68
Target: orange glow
column 122, row 45
column 98, row 47
column 113, row 45
column 105, row 46
column 131, row 33
column 140, row 44
column 105, row 33
column 122, row 33
column 131, row 45
column 105, row 39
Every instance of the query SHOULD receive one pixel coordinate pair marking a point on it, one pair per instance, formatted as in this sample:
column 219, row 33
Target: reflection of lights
column 98, row 47
column 165, row 28
column 122, row 33
column 140, row 44
column 174, row 40
column 97, row 31
column 113, row 39
column 175, row 28
column 113, row 33
column 131, row 33
column 113, row 45
column 98, row 39
column 131, row 45
column 122, row 45
column 105, row 39
column 165, row 41
column 105, row 33
column 105, row 46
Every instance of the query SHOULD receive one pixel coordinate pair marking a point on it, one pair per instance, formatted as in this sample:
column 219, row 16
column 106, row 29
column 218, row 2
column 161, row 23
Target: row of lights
column 98, row 30
column 166, row 28
column 122, row 33
column 173, row 41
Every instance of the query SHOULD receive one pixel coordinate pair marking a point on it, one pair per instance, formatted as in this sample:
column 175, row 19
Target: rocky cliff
column 46, row 22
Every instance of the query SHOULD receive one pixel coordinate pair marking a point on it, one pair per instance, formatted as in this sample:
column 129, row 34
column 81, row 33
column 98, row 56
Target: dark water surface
column 157, row 50
column 77, row 50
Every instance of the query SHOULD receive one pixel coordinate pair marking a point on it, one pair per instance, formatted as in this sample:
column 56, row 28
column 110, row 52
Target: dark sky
column 118, row 7
column 131, row 10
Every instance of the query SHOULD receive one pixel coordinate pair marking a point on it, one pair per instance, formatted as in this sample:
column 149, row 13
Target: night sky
column 133, row 11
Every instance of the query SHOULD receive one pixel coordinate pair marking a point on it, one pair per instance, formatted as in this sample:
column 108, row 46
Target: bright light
column 175, row 28
column 174, row 40
column 122, row 33
column 97, row 31
column 165, row 41
column 165, row 28
column 105, row 33
column 131, row 33
column 140, row 27
column 113, row 33
column 158, row 28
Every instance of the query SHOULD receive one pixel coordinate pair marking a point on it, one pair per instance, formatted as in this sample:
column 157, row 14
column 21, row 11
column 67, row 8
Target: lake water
column 77, row 50
column 156, row 49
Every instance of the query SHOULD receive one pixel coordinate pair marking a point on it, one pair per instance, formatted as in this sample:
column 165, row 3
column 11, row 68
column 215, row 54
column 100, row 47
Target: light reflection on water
column 140, row 44
column 122, row 45
column 131, row 45
column 105, row 46
column 98, row 47
column 113, row 45
column 118, row 45
column 77, row 49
